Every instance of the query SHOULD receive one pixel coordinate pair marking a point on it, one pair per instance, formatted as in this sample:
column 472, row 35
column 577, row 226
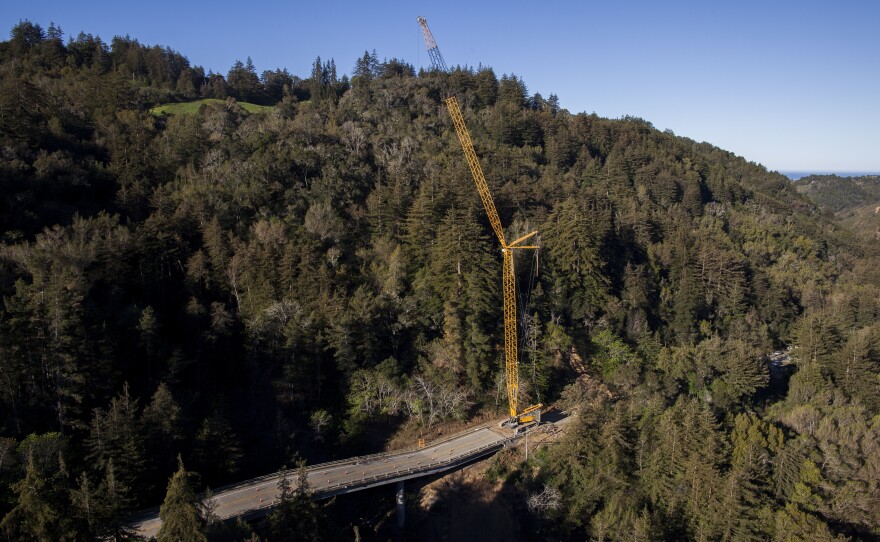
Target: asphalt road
column 349, row 475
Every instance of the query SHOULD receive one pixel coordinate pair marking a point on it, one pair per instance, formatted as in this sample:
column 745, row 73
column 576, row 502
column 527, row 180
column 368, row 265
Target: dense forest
column 192, row 299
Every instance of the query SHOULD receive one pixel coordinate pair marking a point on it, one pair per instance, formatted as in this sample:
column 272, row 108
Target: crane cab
column 528, row 417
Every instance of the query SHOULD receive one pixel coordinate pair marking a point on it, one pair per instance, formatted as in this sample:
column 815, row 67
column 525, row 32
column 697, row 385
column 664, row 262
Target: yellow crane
column 511, row 358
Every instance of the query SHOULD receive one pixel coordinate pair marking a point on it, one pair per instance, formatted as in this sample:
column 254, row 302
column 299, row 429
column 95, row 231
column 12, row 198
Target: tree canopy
column 238, row 288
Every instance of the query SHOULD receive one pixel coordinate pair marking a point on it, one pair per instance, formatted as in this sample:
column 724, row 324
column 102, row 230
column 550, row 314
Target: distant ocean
column 795, row 175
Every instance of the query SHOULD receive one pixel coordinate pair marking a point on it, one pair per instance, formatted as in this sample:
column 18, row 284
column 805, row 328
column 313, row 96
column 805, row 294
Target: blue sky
column 792, row 85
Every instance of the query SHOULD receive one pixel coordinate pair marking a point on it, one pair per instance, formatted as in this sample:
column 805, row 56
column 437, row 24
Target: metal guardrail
column 426, row 469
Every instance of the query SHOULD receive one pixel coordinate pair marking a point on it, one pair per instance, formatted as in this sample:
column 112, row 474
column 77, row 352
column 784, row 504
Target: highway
column 255, row 497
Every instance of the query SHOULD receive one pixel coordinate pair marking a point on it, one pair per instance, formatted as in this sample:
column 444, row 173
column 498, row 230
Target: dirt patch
column 476, row 503
column 465, row 506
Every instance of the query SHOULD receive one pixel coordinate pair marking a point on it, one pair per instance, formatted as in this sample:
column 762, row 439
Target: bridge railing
column 428, row 467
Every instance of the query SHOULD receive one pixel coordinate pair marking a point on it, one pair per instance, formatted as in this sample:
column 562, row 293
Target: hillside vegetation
column 190, row 108
column 225, row 290
column 840, row 193
column 855, row 201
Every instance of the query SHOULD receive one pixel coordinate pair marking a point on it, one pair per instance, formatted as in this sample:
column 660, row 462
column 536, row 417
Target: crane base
column 528, row 417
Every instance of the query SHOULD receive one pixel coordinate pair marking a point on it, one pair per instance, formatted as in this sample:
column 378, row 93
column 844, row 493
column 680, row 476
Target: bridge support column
column 401, row 505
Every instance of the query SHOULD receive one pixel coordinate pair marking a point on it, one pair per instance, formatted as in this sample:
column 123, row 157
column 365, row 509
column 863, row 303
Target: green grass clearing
column 189, row 108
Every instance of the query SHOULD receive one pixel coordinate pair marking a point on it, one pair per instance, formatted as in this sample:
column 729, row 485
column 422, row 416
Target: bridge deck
column 254, row 497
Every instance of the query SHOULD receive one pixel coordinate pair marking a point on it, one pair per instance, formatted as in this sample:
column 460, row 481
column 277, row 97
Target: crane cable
column 525, row 305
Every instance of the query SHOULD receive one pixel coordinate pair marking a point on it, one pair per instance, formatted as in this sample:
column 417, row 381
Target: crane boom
column 476, row 171
column 508, row 275
column 433, row 51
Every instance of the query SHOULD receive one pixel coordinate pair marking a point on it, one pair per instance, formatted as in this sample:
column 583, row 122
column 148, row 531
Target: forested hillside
column 840, row 193
column 238, row 289
column 855, row 201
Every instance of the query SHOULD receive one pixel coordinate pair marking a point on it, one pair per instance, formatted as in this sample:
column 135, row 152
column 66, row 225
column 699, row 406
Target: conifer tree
column 180, row 511
column 40, row 513
column 115, row 502
column 296, row 516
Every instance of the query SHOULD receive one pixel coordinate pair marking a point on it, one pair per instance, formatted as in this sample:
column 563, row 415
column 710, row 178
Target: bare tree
column 321, row 220
column 547, row 500
column 432, row 401
column 427, row 392
column 319, row 421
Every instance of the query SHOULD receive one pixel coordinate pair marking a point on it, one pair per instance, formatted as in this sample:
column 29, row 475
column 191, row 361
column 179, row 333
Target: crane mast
column 511, row 358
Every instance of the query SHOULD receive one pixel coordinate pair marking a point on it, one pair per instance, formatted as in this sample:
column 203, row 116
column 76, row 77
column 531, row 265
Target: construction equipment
column 531, row 414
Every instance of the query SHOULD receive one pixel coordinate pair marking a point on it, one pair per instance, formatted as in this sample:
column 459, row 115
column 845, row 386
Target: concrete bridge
column 256, row 497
